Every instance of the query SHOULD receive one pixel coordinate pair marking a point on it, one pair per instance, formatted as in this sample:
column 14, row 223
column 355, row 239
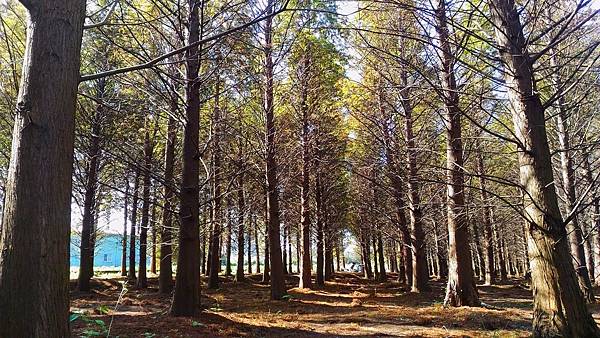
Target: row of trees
column 215, row 125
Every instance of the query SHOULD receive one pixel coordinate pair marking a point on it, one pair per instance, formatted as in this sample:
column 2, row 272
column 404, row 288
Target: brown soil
column 347, row 306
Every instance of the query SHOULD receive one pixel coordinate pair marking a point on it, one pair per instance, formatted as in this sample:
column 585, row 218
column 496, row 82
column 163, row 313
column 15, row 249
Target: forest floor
column 346, row 306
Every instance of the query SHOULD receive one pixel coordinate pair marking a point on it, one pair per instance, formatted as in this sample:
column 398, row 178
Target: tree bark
column 559, row 308
column 461, row 289
column 217, row 217
column 86, row 266
column 186, row 300
column 277, row 277
column 125, row 217
column 320, row 278
column 36, row 215
column 568, row 179
column 165, row 278
column 420, row 273
column 595, row 220
column 239, row 273
column 142, row 281
column 490, row 268
column 131, row 277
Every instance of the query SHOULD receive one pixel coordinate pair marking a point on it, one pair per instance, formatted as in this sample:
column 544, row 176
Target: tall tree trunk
column 186, row 300
column 34, row 242
column 165, row 278
column 239, row 272
column 125, row 217
column 277, row 277
column 250, row 248
column 131, row 277
column 142, row 281
column 228, row 239
column 305, row 272
column 595, row 220
column 439, row 252
column 490, row 269
column 257, row 246
column 559, row 308
column 267, row 267
column 284, row 256
column 320, row 278
column 568, row 179
column 217, row 217
column 461, row 289
column 420, row 274
column 382, row 273
column 86, row 266
column 154, row 237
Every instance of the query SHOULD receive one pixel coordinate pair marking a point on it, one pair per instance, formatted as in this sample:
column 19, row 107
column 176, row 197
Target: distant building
column 109, row 248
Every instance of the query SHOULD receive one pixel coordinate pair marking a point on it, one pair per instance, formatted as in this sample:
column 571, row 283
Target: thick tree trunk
column 165, row 278
column 34, row 242
column 131, row 277
column 125, row 217
column 559, row 308
column 86, row 266
column 277, row 277
column 142, row 281
column 461, row 289
column 186, row 300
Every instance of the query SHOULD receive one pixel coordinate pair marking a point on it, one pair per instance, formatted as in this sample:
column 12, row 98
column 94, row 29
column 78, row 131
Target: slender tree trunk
column 154, row 237
column 559, row 308
column 284, row 256
column 595, row 220
column 277, row 277
column 257, row 246
column 320, row 278
column 267, row 267
column 382, row 273
column 439, row 251
column 305, row 272
column 250, row 249
column 289, row 248
column 165, row 278
column 490, row 269
column 228, row 239
column 186, row 300
column 86, row 266
column 568, row 179
column 142, row 281
column 420, row 274
column 131, row 277
column 215, row 252
column 239, row 272
column 461, row 289
column 34, row 243
column 125, row 217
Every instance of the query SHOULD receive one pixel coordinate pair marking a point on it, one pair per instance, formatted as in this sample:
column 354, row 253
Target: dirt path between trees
column 346, row 306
